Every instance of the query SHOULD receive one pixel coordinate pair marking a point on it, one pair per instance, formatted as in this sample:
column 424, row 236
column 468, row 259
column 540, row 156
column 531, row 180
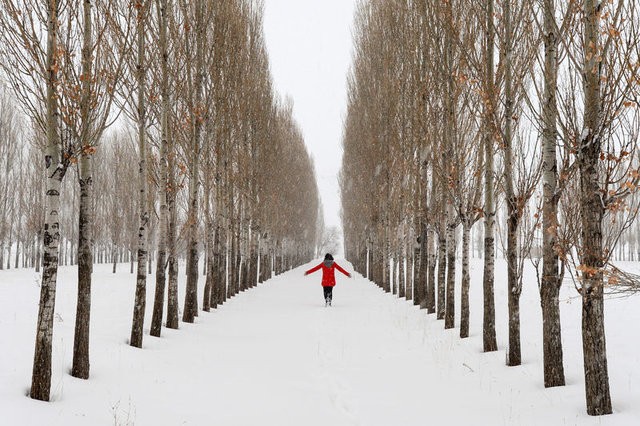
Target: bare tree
column 550, row 282
column 489, row 327
column 139, row 306
column 165, row 188
column 22, row 50
column 198, row 113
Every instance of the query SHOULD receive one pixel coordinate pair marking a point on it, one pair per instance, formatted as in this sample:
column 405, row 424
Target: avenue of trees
column 513, row 119
column 146, row 132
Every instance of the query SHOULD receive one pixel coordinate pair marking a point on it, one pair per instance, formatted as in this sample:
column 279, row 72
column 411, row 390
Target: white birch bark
column 488, row 326
column 142, row 255
column 164, row 186
column 41, row 377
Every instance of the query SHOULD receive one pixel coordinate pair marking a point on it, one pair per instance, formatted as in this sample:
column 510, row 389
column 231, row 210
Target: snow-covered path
column 275, row 355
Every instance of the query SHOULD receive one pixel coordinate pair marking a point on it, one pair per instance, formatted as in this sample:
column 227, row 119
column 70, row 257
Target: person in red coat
column 328, row 276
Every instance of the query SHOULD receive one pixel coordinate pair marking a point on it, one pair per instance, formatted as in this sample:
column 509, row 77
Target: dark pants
column 328, row 292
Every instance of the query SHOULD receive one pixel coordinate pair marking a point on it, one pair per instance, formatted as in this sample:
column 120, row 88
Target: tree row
column 464, row 112
column 162, row 136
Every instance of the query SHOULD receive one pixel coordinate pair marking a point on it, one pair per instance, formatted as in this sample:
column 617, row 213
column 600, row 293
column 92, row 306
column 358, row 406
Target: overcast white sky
column 309, row 43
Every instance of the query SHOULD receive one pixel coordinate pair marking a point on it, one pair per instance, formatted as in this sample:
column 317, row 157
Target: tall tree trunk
column 215, row 264
column 421, row 279
column 114, row 260
column 191, row 296
column 9, row 251
column 368, row 263
column 401, row 276
column 233, row 275
column 206, row 298
column 17, row 259
column 449, row 320
column 266, row 259
column 592, row 212
column 216, row 268
column 513, row 214
column 38, row 260
column 225, row 269
column 41, row 377
column 466, row 279
column 411, row 273
column 394, row 277
column 489, row 313
column 550, row 282
column 442, row 270
column 245, row 271
column 254, row 257
column 431, row 279
column 386, row 254
column 212, row 270
column 141, row 279
column 172, row 217
column 172, row 257
column 163, row 187
column 80, row 365
column 151, row 257
column 205, row 259
column 238, row 260
column 513, row 286
column 451, row 174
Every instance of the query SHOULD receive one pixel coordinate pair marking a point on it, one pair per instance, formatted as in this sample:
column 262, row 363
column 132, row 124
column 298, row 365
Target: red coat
column 328, row 273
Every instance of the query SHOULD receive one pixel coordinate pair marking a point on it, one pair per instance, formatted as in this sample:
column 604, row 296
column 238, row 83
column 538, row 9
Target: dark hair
column 328, row 256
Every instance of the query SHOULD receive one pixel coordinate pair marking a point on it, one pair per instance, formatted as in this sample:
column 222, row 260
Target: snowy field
column 275, row 355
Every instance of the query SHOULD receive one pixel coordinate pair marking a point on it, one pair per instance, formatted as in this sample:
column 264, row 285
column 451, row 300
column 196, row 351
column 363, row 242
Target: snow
column 274, row 355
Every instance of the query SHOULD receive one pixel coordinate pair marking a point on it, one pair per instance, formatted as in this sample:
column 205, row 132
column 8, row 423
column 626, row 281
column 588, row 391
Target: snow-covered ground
column 275, row 355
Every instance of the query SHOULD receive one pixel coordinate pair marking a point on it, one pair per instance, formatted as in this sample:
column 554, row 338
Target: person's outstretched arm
column 312, row 270
column 341, row 270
